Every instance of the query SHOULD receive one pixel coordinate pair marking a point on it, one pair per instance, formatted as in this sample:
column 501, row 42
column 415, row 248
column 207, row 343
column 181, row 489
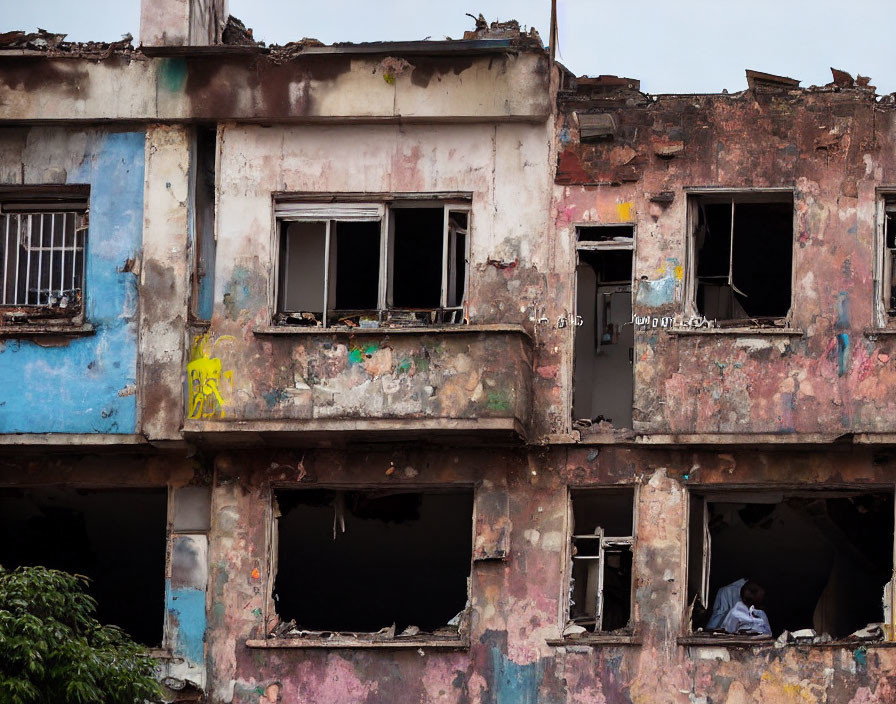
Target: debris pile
column 54, row 44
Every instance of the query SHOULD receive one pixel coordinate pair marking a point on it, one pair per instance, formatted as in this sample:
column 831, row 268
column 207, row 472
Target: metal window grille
column 42, row 258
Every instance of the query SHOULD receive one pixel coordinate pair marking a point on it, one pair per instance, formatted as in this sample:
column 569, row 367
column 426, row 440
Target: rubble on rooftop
column 54, row 44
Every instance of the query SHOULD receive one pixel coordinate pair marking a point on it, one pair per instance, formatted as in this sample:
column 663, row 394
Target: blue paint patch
column 842, row 322
column 659, row 292
column 656, row 293
column 514, row 684
column 173, row 74
column 842, row 353
column 187, row 606
column 75, row 388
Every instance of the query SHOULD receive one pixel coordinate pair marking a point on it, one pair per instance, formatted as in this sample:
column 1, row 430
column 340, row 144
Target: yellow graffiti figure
column 204, row 375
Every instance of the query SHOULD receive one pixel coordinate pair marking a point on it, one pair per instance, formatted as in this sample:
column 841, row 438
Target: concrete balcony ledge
column 335, row 430
column 353, row 643
column 722, row 641
column 595, row 640
column 391, row 330
column 737, row 332
column 367, row 383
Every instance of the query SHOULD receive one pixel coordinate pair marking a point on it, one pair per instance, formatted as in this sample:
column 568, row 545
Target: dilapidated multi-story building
column 428, row 372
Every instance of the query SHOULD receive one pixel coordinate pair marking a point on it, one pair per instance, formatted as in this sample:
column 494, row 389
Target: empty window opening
column 205, row 245
column 743, row 254
column 360, row 561
column 600, row 588
column 372, row 264
column 604, row 344
column 43, row 238
column 822, row 558
column 117, row 538
column 354, row 267
column 417, row 257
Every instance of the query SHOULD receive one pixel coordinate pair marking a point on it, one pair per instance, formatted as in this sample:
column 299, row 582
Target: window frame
column 358, row 639
column 733, row 195
column 43, row 200
column 711, row 494
column 631, row 541
column 325, row 208
column 884, row 273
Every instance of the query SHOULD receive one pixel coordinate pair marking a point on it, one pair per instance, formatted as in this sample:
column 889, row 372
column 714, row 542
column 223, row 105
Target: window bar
column 326, row 272
column 6, row 258
column 445, row 237
column 52, row 252
column 15, row 294
column 384, row 291
column 40, row 259
column 28, row 258
column 62, row 257
column 74, row 256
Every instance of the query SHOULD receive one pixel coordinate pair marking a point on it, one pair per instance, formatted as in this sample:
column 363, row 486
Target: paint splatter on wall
column 206, row 379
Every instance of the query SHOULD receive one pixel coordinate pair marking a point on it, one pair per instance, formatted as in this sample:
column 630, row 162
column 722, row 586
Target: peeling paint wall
column 284, row 87
column 516, row 601
column 81, row 384
column 377, row 375
column 833, row 148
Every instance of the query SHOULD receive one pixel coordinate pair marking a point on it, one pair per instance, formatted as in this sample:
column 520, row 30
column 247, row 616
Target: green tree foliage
column 53, row 650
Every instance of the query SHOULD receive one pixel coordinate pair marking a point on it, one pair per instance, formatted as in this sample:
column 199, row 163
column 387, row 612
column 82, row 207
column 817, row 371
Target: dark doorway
column 604, row 345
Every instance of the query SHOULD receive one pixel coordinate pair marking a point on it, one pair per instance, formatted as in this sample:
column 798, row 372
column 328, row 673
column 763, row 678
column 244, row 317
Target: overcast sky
column 671, row 45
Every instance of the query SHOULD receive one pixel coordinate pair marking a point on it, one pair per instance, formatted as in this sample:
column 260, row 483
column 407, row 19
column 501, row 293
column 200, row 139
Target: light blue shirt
column 746, row 618
column 726, row 598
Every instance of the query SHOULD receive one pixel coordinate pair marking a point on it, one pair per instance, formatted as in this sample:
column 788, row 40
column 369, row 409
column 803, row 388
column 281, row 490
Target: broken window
column 742, row 254
column 43, row 238
column 823, row 558
column 363, row 264
column 116, row 538
column 604, row 344
column 371, row 561
column 602, row 535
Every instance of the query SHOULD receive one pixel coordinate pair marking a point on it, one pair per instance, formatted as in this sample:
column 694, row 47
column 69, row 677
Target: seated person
column 745, row 616
column 726, row 598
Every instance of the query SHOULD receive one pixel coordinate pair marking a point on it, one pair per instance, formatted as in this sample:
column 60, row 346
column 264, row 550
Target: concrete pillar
column 164, row 282
column 182, row 22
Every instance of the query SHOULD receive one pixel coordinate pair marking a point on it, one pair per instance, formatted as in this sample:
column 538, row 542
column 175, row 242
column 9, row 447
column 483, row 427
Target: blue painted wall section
column 187, row 606
column 185, row 598
column 86, row 386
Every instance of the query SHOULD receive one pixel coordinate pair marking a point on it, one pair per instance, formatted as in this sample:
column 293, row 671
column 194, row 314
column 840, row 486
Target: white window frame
column 346, row 211
column 606, row 542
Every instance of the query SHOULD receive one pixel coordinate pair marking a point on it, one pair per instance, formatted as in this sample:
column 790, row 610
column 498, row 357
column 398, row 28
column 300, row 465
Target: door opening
column 603, row 384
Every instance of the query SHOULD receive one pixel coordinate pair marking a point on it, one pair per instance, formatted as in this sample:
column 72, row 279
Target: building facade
column 429, row 372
